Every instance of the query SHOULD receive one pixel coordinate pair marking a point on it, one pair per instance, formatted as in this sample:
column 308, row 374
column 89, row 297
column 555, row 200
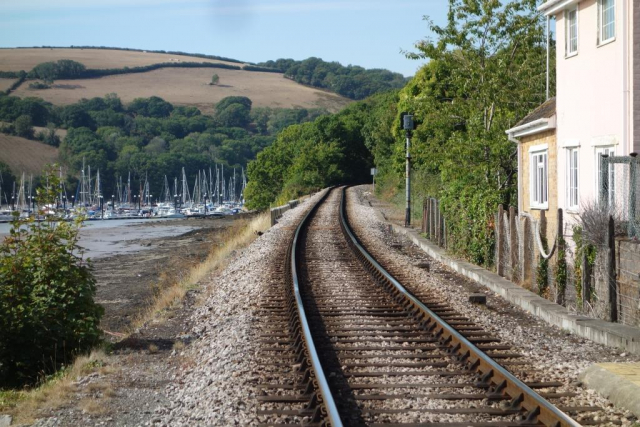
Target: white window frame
column 539, row 178
column 601, row 40
column 573, row 178
column 611, row 151
column 568, row 53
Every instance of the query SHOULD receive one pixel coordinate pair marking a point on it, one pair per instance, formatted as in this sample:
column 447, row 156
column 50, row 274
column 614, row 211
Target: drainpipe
column 625, row 80
column 548, row 53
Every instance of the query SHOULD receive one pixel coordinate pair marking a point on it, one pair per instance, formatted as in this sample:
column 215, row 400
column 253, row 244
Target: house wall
column 551, row 213
column 590, row 99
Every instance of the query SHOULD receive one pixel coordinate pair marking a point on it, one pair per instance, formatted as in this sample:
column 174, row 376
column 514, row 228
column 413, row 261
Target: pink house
column 597, row 64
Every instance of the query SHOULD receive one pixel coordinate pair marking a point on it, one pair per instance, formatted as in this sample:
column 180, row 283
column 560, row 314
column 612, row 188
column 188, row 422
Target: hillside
column 190, row 86
column 26, row 59
column 24, row 155
column 180, row 86
column 5, row 83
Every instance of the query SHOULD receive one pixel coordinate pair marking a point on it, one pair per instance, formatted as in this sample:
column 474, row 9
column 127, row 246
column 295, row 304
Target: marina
column 212, row 194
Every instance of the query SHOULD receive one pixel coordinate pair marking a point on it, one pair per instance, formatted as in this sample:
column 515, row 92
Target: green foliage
column 62, row 69
column 352, row 81
column 151, row 107
column 152, row 137
column 23, row 126
column 215, row 79
column 47, row 311
column 486, row 71
column 542, row 271
column 48, row 136
column 39, row 85
column 331, row 150
column 7, row 178
column 234, row 111
column 561, row 270
column 270, row 121
column 581, row 251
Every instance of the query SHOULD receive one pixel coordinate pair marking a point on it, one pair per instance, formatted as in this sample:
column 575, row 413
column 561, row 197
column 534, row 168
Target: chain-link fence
column 618, row 180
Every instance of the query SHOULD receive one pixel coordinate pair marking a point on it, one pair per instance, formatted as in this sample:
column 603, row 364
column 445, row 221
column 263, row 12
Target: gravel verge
column 215, row 384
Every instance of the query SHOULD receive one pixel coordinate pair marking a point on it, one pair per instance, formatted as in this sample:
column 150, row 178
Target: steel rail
column 501, row 381
column 321, row 381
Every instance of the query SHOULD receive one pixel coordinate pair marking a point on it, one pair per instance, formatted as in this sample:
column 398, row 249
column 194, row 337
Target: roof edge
column 551, row 7
column 532, row 128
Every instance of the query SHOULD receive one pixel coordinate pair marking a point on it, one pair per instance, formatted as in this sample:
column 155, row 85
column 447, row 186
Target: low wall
column 628, row 274
column 276, row 213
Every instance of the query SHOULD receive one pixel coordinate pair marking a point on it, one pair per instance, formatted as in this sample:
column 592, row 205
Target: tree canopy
column 351, row 81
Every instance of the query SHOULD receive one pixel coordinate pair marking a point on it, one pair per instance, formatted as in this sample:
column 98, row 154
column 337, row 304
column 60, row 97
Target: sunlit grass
column 238, row 236
column 53, row 392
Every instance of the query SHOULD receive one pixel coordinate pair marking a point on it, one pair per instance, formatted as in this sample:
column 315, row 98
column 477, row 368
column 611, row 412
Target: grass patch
column 236, row 237
column 53, row 392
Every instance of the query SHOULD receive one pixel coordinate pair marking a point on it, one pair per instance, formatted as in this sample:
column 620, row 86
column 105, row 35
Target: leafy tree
column 23, row 127
column 215, row 79
column 48, row 136
column 351, row 81
column 234, row 115
column 229, row 100
column 47, row 311
column 157, row 146
column 151, row 107
column 62, row 69
column 331, row 150
column 486, row 71
column 7, row 178
column 76, row 116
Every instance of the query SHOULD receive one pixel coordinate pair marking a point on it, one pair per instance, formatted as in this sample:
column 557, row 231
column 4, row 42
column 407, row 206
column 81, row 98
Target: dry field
column 24, row 155
column 26, row 59
column 189, row 86
column 5, row 83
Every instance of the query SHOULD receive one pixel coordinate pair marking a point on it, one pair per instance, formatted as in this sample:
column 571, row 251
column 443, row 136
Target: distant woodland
column 351, row 81
column 150, row 137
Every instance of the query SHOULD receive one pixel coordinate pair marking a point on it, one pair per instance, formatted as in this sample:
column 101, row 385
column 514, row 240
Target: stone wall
column 628, row 278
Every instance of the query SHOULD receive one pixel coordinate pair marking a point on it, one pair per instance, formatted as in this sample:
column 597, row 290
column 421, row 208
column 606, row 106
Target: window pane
column 607, row 19
column 571, row 31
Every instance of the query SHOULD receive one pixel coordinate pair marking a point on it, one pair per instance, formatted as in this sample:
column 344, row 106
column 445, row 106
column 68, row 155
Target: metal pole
column 604, row 180
column 407, row 217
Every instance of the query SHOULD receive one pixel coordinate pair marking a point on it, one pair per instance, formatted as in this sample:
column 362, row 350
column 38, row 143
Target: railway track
column 344, row 342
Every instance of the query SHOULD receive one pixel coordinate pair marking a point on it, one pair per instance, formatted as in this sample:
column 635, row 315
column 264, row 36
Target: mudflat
column 133, row 263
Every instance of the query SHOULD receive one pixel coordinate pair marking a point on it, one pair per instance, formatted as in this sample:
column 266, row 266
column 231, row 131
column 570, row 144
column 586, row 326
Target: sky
column 369, row 33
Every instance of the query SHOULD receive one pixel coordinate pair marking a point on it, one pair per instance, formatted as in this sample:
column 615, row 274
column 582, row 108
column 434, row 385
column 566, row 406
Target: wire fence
column 609, row 290
column 618, row 181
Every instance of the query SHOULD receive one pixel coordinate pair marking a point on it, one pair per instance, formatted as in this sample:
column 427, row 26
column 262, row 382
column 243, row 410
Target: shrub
column 39, row 85
column 47, row 311
column 594, row 221
column 23, row 126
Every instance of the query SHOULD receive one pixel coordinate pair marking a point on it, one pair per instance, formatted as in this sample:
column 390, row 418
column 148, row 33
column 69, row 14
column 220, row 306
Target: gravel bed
column 216, row 383
column 554, row 354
